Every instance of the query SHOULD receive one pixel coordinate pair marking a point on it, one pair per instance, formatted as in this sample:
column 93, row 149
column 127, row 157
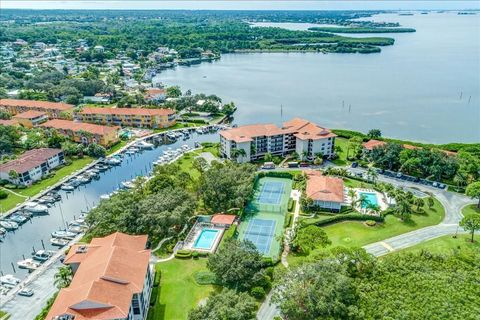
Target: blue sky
column 241, row 5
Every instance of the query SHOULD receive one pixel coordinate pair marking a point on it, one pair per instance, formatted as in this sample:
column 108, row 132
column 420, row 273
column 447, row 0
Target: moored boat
column 42, row 255
column 63, row 234
column 8, row 225
column 67, row 187
column 35, row 207
column 59, row 242
column 9, row 279
column 28, row 264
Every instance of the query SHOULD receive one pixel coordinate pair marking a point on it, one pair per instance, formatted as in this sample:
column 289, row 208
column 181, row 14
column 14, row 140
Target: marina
column 50, row 222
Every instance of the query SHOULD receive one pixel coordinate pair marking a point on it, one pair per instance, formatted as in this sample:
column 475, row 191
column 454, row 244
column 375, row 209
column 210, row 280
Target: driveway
column 453, row 204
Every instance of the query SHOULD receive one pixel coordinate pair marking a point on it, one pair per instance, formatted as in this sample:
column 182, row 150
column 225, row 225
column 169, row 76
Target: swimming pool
column 370, row 199
column 206, row 239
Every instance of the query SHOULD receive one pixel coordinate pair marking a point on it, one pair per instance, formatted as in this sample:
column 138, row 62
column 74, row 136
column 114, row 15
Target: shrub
column 205, row 278
column 154, row 296
column 10, row 186
column 267, row 261
column 344, row 217
column 288, row 220
column 349, row 134
column 269, row 272
column 370, row 223
column 203, row 254
column 291, row 204
column 156, row 279
column 3, row 182
column 183, row 254
column 3, row 194
column 257, row 293
column 195, row 255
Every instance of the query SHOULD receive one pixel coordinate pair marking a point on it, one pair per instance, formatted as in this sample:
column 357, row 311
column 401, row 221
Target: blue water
column 370, row 199
column 36, row 232
column 206, row 239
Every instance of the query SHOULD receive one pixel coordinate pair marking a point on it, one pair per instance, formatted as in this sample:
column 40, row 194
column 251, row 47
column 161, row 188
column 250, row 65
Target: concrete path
column 295, row 195
column 452, row 203
column 13, row 192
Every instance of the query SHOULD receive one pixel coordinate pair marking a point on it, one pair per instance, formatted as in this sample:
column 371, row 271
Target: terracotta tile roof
column 36, row 104
column 246, row 133
column 128, row 111
column 223, row 219
column 111, row 270
column 155, row 91
column 10, row 122
column 305, row 130
column 324, row 188
column 79, row 126
column 410, row 147
column 29, row 160
column 373, row 144
column 30, row 114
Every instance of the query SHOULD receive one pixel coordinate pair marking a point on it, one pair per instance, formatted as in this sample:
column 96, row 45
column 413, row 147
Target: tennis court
column 261, row 232
column 271, row 192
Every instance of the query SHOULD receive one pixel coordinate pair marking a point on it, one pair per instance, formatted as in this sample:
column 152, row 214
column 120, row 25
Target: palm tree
column 372, row 174
column 63, row 277
column 353, row 196
column 419, row 203
column 305, row 155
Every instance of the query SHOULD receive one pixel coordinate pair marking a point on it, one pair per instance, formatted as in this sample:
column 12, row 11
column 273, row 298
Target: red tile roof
column 223, row 219
column 29, row 160
column 128, row 111
column 10, row 122
column 79, row 126
column 36, row 104
column 306, row 130
column 30, row 114
column 111, row 270
column 324, row 188
column 371, row 144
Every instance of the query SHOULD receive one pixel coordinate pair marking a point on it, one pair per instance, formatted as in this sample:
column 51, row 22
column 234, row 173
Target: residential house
column 132, row 117
column 31, row 118
column 52, row 109
column 9, row 122
column 297, row 135
column 112, row 280
column 326, row 192
column 85, row 132
column 32, row 165
column 155, row 94
column 371, row 144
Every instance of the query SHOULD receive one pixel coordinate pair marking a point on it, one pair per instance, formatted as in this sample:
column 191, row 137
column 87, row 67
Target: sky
column 242, row 5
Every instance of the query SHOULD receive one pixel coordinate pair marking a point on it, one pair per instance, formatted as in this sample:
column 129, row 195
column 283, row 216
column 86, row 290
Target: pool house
column 327, row 193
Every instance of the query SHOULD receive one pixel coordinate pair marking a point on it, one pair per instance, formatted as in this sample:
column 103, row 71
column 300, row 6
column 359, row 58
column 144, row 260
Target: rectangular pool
column 206, row 239
column 370, row 199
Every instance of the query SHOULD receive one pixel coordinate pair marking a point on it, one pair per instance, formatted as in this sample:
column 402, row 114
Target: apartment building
column 31, row 118
column 31, row 166
column 252, row 142
column 85, row 133
column 129, row 117
column 112, row 280
column 52, row 109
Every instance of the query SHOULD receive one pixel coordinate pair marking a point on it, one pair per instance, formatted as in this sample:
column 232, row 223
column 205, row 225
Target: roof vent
column 81, row 249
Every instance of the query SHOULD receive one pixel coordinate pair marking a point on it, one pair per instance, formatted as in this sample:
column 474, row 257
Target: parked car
column 25, row 292
column 354, row 164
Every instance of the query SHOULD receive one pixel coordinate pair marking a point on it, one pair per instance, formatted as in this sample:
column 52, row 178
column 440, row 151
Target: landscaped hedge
column 3, row 194
column 291, row 204
column 183, row 254
column 276, row 174
column 349, row 134
column 344, row 217
column 288, row 220
column 156, row 279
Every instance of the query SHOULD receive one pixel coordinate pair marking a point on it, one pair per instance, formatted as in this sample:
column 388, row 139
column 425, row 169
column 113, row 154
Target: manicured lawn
column 118, row 146
column 342, row 155
column 352, row 183
column 472, row 208
column 179, row 292
column 61, row 173
column 3, row 314
column 444, row 244
column 186, row 164
column 357, row 234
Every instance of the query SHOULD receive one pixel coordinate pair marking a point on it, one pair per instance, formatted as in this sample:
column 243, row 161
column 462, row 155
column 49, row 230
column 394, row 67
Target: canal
column 36, row 232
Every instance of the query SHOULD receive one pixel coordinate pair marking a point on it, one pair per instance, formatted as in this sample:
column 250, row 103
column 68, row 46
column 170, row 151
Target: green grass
column 117, row 146
column 342, row 155
column 444, row 244
column 4, row 314
column 179, row 292
column 13, row 200
column 471, row 208
column 352, row 183
column 357, row 234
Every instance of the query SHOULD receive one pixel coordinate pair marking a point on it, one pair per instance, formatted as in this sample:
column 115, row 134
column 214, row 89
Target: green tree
column 473, row 191
column 236, row 264
column 9, row 136
column 200, row 164
column 320, row 290
column 5, row 115
column 227, row 305
column 174, row 92
column 419, row 202
column 226, row 186
column 63, row 277
column 12, row 174
column 309, row 238
column 268, row 157
column 95, row 150
column 374, row 134
column 357, row 261
column 471, row 222
column 430, row 202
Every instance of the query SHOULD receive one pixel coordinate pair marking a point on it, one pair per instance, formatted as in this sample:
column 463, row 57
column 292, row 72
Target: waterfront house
column 52, row 109
column 155, row 94
column 297, row 135
column 131, row 117
column 85, row 132
column 326, row 192
column 31, row 118
column 112, row 280
column 31, row 166
column 372, row 144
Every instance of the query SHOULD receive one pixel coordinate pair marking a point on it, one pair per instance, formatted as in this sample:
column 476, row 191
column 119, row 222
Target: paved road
column 453, row 204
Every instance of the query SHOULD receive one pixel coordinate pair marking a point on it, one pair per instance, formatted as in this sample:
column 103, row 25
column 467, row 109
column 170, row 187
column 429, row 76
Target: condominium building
column 85, row 132
column 31, row 118
column 52, row 109
column 31, row 166
column 112, row 280
column 131, row 117
column 252, row 142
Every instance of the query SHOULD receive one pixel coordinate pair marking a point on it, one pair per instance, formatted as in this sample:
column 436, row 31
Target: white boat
column 42, row 255
column 35, row 207
column 63, row 234
column 59, row 242
column 67, row 187
column 83, row 179
column 8, row 225
column 18, row 218
column 9, row 280
column 28, row 264
column 113, row 161
column 144, row 145
column 75, row 229
column 128, row 184
column 101, row 167
column 2, row 231
column 105, row 197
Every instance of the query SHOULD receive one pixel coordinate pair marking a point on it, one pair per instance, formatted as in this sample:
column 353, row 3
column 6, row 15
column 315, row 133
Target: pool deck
column 189, row 242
